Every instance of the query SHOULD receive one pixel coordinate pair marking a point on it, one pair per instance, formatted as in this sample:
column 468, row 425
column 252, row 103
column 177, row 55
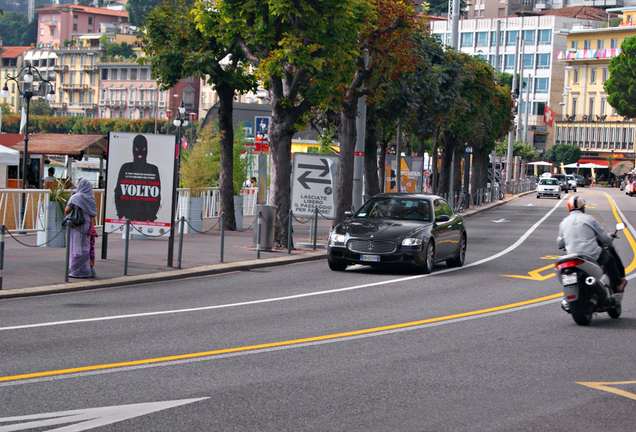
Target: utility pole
column 520, row 102
column 511, row 133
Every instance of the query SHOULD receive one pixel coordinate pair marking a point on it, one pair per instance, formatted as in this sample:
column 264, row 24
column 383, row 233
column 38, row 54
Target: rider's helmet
column 575, row 202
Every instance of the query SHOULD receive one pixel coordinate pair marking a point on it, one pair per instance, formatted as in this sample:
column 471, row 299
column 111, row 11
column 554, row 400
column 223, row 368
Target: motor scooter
column 586, row 287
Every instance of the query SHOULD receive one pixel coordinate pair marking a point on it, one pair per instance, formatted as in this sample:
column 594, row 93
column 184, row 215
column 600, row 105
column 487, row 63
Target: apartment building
column 542, row 73
column 586, row 119
column 12, row 62
column 60, row 23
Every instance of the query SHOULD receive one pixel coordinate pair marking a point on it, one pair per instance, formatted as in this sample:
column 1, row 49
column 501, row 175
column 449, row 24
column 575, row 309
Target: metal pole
column 258, row 234
column 222, row 233
column 455, row 28
column 289, row 232
column 181, row 226
column 398, row 158
column 525, row 122
column 497, row 33
column 27, row 98
column 511, row 133
column 520, row 102
column 2, row 228
column 358, row 154
column 67, row 234
column 126, row 244
column 315, row 227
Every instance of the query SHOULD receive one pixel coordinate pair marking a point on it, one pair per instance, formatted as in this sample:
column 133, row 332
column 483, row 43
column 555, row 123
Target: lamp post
column 27, row 94
column 180, row 120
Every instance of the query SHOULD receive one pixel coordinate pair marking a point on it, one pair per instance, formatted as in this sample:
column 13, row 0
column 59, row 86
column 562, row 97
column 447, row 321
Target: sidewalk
column 40, row 270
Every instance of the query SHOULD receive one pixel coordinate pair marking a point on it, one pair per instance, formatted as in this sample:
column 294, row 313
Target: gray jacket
column 582, row 233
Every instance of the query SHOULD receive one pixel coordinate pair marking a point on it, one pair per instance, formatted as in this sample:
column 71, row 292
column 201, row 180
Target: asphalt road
column 300, row 348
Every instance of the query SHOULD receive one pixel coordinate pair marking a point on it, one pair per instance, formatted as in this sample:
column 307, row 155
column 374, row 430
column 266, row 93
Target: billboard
column 411, row 174
column 140, row 176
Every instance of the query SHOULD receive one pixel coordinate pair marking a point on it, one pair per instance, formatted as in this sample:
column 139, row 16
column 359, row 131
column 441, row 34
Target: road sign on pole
column 314, row 181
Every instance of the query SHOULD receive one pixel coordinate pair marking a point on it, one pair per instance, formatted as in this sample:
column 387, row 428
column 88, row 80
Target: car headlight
column 412, row 242
column 336, row 238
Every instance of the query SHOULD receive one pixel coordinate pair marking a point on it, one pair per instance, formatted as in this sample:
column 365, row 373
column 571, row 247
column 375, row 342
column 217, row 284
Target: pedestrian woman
column 80, row 250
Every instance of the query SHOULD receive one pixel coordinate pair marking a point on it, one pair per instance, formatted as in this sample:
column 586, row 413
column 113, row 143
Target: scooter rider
column 582, row 233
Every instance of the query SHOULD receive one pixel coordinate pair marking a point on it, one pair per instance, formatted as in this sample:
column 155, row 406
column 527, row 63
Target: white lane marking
column 296, row 296
column 500, row 221
column 627, row 224
column 89, row 418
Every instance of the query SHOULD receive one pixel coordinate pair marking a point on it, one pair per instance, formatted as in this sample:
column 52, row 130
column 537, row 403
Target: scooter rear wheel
column 615, row 311
column 581, row 312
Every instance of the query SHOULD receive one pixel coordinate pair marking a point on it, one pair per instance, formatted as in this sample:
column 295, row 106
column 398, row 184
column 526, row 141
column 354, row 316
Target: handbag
column 74, row 218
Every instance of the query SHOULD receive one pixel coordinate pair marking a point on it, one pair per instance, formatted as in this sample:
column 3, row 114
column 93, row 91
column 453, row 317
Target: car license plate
column 568, row 279
column 372, row 258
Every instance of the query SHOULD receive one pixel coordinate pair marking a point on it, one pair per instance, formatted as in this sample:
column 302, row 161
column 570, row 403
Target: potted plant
column 53, row 236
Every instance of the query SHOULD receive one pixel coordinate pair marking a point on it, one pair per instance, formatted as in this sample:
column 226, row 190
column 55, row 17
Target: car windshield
column 396, row 208
column 551, row 182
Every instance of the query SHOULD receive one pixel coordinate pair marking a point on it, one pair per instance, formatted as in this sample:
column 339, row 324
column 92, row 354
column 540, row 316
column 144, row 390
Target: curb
column 162, row 276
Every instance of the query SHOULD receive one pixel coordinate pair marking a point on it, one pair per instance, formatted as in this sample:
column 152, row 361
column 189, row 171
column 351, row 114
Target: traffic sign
column 261, row 128
column 314, row 183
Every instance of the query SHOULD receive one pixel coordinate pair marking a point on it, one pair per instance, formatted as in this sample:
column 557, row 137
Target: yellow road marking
column 535, row 274
column 274, row 344
column 605, row 387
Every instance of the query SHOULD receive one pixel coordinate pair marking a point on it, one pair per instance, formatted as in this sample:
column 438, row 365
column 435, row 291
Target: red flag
column 184, row 144
column 548, row 116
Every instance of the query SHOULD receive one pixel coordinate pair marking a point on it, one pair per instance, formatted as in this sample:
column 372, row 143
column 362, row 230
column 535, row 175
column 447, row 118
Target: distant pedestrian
column 80, row 244
column 49, row 180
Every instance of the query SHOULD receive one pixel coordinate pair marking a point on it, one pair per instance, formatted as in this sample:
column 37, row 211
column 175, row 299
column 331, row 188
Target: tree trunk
column 347, row 136
column 420, row 145
column 226, row 128
column 447, row 157
column 371, row 181
column 479, row 177
column 435, row 171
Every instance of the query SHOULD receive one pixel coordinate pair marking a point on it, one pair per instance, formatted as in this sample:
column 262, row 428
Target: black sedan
column 399, row 229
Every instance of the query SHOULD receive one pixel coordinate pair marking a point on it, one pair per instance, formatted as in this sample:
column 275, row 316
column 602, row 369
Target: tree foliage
column 621, row 84
column 563, row 153
column 16, row 29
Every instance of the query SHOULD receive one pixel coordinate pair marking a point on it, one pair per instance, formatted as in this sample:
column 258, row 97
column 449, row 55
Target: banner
column 411, row 171
column 140, row 182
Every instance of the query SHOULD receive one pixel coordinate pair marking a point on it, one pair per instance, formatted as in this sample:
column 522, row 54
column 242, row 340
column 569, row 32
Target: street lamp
column 180, row 120
column 27, row 94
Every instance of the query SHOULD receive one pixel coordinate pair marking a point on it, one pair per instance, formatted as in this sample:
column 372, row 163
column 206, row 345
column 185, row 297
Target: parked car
column 563, row 181
column 549, row 187
column 399, row 229
column 571, row 181
column 580, row 181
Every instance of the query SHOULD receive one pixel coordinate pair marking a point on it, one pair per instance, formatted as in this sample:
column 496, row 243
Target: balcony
column 140, row 104
column 74, row 86
column 60, row 68
column 592, row 135
column 90, row 68
column 59, row 106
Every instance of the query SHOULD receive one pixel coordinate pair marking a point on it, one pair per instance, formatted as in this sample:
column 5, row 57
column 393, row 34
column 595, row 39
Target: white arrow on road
column 90, row 418
column 500, row 221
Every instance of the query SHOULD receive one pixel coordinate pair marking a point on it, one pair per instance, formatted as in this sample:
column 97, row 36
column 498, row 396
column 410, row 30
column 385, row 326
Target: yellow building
column 586, row 119
column 12, row 62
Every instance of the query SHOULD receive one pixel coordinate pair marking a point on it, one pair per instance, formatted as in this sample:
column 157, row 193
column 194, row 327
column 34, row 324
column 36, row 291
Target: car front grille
column 371, row 246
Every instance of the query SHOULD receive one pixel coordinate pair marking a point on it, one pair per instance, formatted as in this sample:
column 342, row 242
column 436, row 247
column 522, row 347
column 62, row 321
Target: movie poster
column 140, row 182
column 411, row 170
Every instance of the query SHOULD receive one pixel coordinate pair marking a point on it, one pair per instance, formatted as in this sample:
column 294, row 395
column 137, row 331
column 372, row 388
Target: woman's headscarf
column 84, row 198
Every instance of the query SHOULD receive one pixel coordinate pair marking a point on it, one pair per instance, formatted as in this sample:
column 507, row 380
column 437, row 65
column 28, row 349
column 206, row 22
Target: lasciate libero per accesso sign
column 140, row 182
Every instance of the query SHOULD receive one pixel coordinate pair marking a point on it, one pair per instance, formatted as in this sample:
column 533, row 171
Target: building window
column 545, row 37
column 493, row 38
column 105, row 74
column 482, row 39
column 605, row 74
column 74, row 26
column 143, row 74
column 541, row 85
column 52, row 31
column 603, row 104
column 575, row 104
column 75, row 16
column 575, row 77
column 587, row 44
column 593, row 76
column 467, row 40
column 574, row 44
column 510, row 61
column 133, row 74
column 90, row 20
column 511, row 37
column 591, row 107
column 543, row 61
column 600, row 43
column 614, row 43
column 123, row 74
column 42, row 31
column 528, row 61
column 501, row 12
column 528, row 37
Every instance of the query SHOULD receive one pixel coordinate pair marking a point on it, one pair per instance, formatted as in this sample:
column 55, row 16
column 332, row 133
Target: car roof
column 405, row 195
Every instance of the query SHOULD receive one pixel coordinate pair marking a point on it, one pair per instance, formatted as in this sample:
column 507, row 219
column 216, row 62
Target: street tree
column 621, row 84
column 300, row 49
column 176, row 49
column 562, row 153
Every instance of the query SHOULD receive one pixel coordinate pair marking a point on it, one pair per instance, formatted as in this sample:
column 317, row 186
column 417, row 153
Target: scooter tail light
column 568, row 264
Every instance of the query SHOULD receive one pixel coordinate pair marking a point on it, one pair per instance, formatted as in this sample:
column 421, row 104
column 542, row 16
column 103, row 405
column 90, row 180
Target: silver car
column 549, row 187
column 571, row 181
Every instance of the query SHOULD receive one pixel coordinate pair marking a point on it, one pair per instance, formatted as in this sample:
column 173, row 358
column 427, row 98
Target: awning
column 28, row 55
column 65, row 144
column 91, row 36
column 36, row 55
column 9, row 156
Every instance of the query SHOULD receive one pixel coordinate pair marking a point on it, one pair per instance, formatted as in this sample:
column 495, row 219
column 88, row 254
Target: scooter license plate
column 568, row 279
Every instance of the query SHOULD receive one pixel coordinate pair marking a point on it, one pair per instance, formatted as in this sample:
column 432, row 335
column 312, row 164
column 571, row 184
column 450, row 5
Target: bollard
column 289, row 232
column 67, row 234
column 126, row 243
column 258, row 235
column 181, row 226
column 222, row 233
column 315, row 227
column 2, row 228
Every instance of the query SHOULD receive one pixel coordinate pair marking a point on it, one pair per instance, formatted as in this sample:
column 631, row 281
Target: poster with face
column 140, row 181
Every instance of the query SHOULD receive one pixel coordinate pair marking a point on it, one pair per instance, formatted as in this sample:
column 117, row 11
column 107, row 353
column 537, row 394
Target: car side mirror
column 442, row 218
column 348, row 213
